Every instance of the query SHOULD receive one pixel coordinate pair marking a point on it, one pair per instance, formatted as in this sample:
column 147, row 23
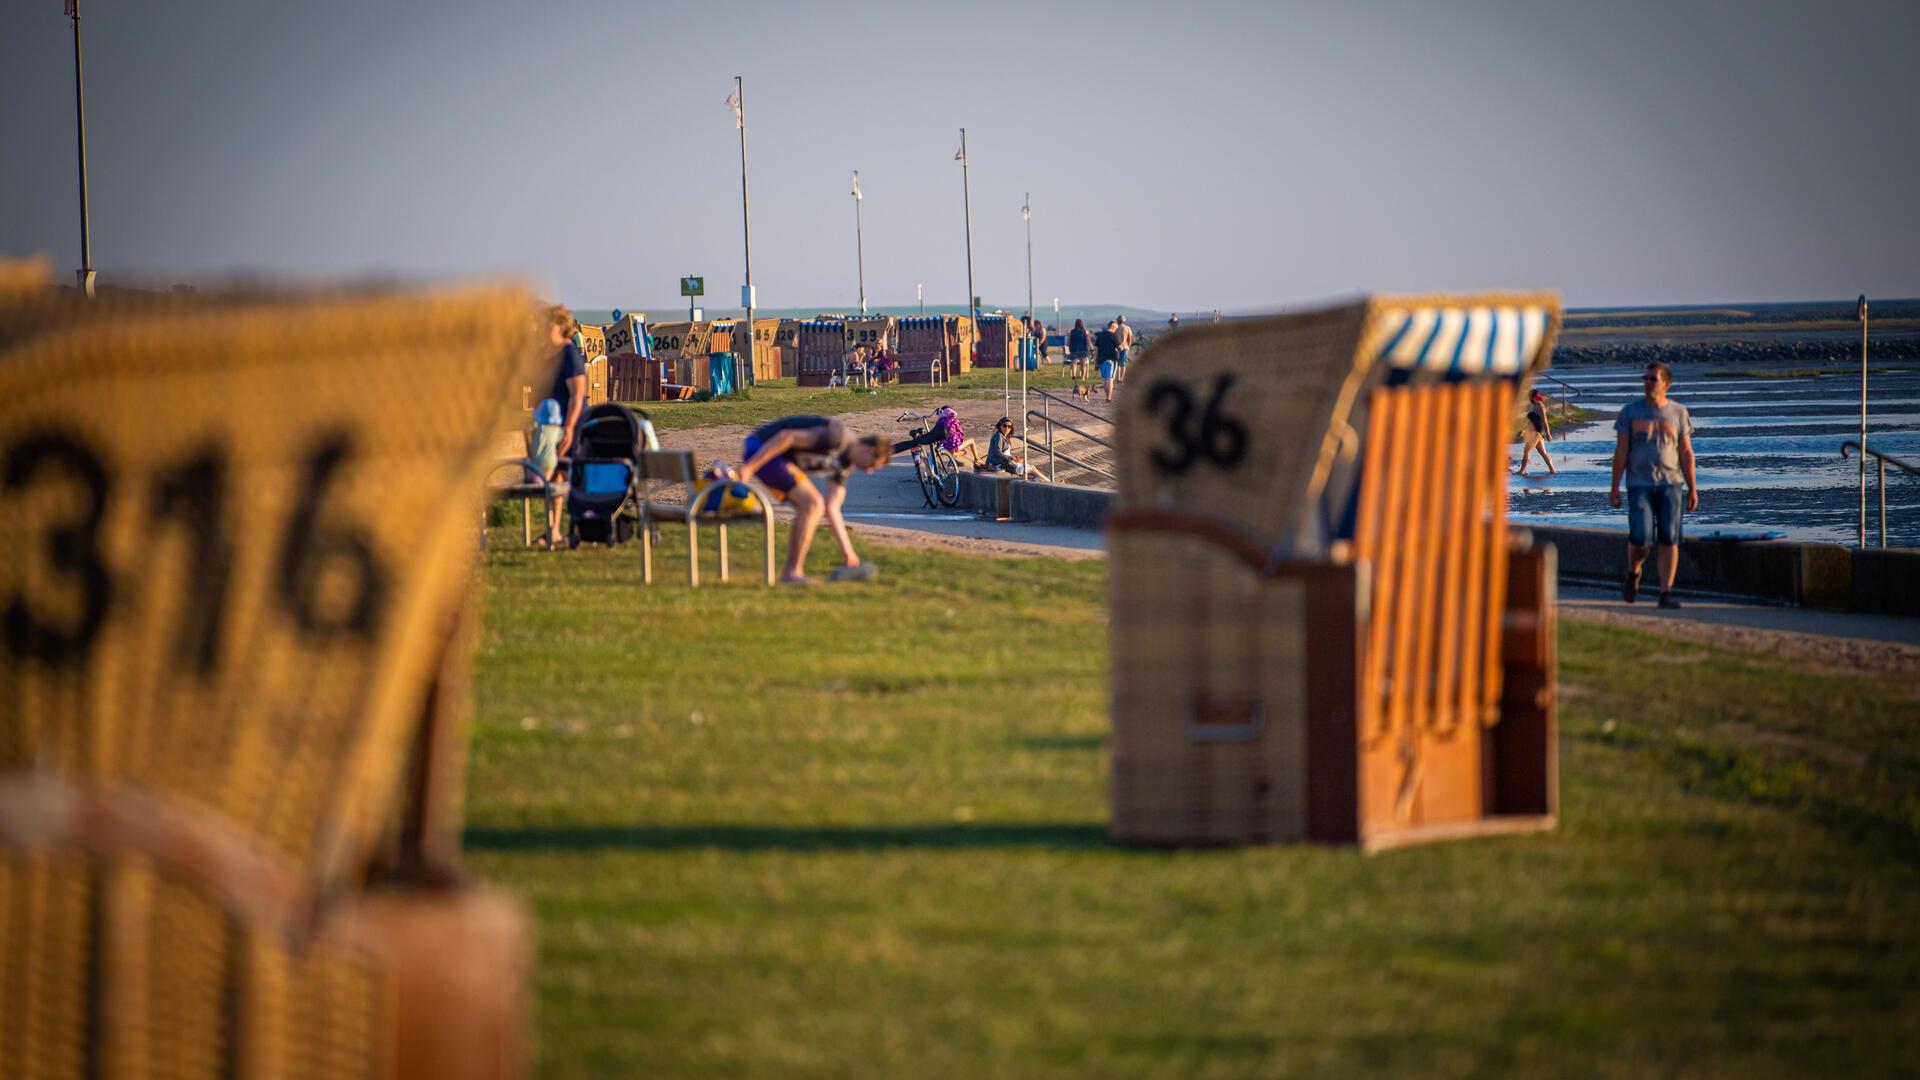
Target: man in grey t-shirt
column 1654, row 452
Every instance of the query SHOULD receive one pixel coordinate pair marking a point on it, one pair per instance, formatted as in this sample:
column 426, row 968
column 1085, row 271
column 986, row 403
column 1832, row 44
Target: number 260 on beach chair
column 1322, row 629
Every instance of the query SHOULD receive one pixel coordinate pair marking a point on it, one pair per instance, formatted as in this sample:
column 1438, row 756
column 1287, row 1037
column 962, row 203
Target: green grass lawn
column 860, row 831
column 775, row 398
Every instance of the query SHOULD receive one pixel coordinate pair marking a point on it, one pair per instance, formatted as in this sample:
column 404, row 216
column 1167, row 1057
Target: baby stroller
column 603, row 474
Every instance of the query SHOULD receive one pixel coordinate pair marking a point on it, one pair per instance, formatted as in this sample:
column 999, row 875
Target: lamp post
column 1026, row 214
column 859, row 241
column 1860, row 312
column 966, row 196
column 739, row 104
column 80, row 119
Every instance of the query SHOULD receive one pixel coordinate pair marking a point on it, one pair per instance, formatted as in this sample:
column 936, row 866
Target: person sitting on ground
column 999, row 458
column 1106, row 345
column 780, row 454
column 1536, row 434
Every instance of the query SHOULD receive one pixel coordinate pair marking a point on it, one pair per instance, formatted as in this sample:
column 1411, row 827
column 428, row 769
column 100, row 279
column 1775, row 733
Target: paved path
column 889, row 507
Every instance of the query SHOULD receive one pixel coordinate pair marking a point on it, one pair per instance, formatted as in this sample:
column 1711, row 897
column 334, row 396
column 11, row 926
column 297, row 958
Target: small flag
column 73, row 9
column 733, row 102
column 856, row 184
column 960, row 154
column 1026, row 209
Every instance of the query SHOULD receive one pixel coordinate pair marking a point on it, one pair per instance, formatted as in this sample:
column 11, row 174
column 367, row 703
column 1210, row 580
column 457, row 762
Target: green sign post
column 691, row 287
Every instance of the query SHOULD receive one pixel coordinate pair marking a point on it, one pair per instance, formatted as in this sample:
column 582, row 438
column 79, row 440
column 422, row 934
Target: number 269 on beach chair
column 236, row 558
column 1322, row 629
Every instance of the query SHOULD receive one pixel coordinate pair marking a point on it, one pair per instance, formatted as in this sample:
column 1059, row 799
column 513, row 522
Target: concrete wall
column 1775, row 571
column 1002, row 496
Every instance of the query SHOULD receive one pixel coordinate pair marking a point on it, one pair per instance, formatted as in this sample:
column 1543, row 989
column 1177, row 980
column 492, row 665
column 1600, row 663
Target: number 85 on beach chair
column 1322, row 629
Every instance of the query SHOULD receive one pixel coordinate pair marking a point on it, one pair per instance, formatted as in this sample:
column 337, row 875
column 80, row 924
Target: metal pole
column 966, row 196
column 1026, row 212
column 80, row 118
column 1862, row 312
column 920, row 294
column 746, row 222
column 859, row 242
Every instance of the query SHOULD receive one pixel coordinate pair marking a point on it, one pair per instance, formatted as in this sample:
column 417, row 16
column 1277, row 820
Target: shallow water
column 1768, row 454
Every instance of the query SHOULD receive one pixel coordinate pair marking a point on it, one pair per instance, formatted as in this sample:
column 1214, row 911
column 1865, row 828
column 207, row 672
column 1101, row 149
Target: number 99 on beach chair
column 1321, row 628
column 236, row 552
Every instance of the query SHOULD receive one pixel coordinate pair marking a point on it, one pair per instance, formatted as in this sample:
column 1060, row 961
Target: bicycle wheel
column 946, row 471
column 924, row 470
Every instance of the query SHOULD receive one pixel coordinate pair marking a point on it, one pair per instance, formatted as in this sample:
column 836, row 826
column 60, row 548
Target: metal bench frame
column 662, row 469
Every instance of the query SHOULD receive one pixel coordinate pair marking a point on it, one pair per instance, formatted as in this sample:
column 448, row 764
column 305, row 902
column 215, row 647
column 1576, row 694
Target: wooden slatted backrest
column 1371, row 434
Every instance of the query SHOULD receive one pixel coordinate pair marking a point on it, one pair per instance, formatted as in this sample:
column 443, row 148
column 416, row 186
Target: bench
column 663, row 470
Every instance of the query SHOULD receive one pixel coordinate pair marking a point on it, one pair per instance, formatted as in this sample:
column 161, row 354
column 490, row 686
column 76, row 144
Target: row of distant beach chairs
column 634, row 360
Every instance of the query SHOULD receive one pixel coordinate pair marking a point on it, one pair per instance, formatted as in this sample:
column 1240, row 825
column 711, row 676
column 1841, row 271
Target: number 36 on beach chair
column 236, row 542
column 1322, row 629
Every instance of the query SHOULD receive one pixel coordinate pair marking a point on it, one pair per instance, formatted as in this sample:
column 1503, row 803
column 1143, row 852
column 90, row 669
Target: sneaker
column 1667, row 601
column 1631, row 590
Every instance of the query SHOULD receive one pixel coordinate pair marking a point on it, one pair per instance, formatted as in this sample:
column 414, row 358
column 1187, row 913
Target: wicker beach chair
column 1321, row 627
column 235, row 550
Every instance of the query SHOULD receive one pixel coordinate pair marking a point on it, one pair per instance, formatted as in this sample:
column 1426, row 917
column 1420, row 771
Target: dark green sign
column 693, row 286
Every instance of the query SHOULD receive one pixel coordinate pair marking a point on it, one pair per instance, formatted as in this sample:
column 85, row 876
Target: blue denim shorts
column 1653, row 513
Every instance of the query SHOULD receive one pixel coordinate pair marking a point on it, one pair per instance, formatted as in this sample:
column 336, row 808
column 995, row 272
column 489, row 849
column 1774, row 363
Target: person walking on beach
column 1654, row 452
column 1126, row 345
column 1078, row 344
column 781, row 453
column 1536, row 434
column 1106, row 347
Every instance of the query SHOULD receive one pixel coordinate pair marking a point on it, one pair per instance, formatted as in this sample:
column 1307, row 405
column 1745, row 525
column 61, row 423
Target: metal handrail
column 1050, row 396
column 1050, row 423
column 1566, row 394
column 1880, row 461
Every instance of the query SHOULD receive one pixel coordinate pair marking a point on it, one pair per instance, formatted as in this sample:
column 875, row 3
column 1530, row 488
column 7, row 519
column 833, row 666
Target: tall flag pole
column 738, row 103
column 80, row 117
column 966, row 195
column 859, row 241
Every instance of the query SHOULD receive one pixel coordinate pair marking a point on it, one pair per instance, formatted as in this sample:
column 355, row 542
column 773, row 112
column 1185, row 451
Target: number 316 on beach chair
column 236, row 552
column 1322, row 629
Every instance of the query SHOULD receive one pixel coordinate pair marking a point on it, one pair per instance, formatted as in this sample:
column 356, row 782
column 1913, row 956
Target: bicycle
column 937, row 469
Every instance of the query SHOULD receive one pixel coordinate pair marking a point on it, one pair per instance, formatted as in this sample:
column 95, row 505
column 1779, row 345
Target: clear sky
column 1191, row 155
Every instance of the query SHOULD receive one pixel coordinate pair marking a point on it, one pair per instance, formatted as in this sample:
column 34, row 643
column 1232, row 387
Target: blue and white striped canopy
column 1441, row 343
column 920, row 320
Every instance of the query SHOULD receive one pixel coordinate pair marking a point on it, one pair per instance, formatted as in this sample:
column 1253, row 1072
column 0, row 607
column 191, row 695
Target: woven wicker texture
column 167, row 984
column 1284, row 435
column 230, row 535
column 1222, row 691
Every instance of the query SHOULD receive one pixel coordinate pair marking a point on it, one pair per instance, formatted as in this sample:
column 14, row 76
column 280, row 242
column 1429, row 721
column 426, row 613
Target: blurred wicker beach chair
column 232, row 685
column 1321, row 627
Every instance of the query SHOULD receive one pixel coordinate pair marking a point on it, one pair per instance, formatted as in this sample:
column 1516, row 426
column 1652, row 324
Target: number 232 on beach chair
column 236, row 552
column 1322, row 629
